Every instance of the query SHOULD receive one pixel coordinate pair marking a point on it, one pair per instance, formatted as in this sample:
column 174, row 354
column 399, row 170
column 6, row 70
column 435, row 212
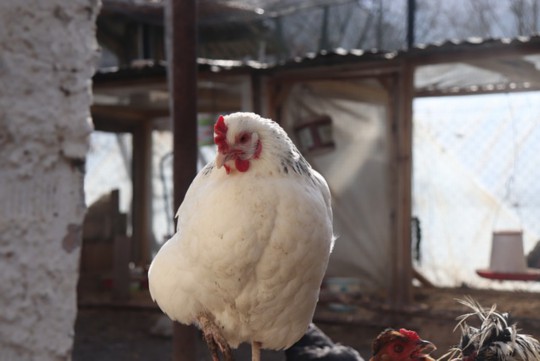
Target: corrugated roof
column 454, row 76
column 276, row 30
column 338, row 55
column 476, row 42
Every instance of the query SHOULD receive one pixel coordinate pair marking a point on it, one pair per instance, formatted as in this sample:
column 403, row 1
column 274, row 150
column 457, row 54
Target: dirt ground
column 108, row 331
column 110, row 334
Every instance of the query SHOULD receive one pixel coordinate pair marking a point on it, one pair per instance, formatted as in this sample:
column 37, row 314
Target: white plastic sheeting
column 476, row 166
column 476, row 170
column 356, row 171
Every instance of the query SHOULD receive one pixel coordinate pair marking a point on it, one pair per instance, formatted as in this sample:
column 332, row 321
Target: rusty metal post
column 183, row 88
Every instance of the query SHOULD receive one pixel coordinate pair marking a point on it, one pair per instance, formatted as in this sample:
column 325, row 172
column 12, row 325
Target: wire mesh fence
column 476, row 168
column 272, row 31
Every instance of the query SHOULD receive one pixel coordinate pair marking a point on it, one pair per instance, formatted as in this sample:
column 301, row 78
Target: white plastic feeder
column 507, row 255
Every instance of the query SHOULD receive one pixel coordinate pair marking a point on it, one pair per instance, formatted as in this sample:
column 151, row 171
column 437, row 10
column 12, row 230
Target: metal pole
column 183, row 86
column 411, row 14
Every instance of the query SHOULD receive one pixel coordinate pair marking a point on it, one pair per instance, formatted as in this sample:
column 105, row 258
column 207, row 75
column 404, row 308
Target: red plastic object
column 532, row 274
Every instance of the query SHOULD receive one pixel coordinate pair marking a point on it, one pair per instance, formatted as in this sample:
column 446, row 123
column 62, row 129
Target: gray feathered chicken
column 317, row 346
column 497, row 339
column 390, row 345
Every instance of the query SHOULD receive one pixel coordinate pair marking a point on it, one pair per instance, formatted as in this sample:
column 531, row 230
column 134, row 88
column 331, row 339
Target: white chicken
column 252, row 245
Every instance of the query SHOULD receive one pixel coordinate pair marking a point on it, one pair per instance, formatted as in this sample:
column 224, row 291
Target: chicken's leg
column 255, row 351
column 213, row 338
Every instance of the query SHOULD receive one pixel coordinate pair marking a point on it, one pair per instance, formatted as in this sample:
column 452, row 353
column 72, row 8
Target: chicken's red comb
column 220, row 134
column 411, row 335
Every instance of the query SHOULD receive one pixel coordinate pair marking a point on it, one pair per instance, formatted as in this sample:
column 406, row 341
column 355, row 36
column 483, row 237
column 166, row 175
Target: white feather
column 251, row 248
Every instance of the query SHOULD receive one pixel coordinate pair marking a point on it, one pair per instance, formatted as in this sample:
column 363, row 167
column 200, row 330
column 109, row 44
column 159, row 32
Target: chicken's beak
column 221, row 159
column 424, row 348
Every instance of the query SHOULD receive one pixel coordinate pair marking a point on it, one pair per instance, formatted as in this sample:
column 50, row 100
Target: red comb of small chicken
column 411, row 335
column 402, row 345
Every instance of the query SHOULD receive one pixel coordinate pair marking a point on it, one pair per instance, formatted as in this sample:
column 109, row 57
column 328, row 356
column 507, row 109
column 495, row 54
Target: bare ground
column 108, row 331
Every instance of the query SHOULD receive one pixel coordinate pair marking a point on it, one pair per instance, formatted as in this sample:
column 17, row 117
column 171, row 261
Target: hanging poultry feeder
column 315, row 135
column 507, row 252
column 507, row 259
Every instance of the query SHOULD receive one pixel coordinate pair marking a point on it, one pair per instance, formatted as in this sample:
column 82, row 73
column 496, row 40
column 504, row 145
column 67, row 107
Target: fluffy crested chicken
column 252, row 244
column 401, row 345
column 315, row 345
column 495, row 340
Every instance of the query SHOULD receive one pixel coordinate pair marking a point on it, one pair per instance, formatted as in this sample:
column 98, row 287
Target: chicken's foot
column 214, row 339
column 255, row 351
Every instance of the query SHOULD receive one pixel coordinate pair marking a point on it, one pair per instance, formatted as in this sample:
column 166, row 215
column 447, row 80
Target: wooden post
column 142, row 192
column 401, row 291
column 183, row 86
column 121, row 277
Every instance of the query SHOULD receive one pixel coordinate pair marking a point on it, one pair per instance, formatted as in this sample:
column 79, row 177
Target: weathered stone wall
column 48, row 54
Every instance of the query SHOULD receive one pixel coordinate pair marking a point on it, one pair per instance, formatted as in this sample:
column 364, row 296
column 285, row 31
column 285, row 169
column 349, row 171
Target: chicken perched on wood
column 390, row 345
column 495, row 340
column 252, row 244
column 401, row 345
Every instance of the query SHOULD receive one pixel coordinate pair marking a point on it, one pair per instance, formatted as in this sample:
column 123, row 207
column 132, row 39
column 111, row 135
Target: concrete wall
column 48, row 54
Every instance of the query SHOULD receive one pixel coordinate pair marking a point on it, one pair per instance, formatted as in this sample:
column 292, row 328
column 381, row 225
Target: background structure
column 48, row 54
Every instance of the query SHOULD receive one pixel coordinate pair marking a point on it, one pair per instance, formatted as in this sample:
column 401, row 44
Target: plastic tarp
column 356, row 171
column 476, row 167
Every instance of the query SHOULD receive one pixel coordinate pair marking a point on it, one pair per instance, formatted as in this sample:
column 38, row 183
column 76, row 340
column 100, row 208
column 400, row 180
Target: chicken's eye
column 244, row 138
column 398, row 348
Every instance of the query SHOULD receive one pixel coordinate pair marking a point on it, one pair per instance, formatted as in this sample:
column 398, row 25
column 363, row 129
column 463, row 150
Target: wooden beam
column 142, row 192
column 183, row 81
column 401, row 188
column 135, row 113
column 140, row 81
column 112, row 125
